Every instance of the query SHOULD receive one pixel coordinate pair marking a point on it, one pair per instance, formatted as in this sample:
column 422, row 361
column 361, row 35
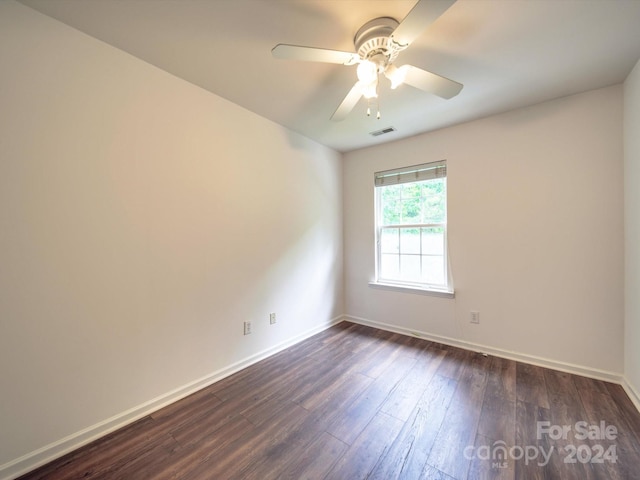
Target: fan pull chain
column 377, row 97
column 377, row 108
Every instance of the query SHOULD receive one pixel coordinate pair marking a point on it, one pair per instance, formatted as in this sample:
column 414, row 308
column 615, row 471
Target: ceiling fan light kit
column 367, row 71
column 378, row 43
column 396, row 75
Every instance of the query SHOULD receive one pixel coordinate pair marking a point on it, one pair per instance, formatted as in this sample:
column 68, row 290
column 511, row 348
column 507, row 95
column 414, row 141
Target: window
column 411, row 227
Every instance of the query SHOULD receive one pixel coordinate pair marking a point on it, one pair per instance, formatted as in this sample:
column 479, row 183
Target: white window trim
column 446, row 291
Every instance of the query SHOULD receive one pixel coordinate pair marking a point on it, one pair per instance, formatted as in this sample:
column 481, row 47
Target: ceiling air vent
column 377, row 133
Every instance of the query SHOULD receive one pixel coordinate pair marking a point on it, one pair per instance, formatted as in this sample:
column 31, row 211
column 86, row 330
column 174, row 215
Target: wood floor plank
column 562, row 416
column 407, row 457
column 501, row 379
column 239, row 456
column 363, row 455
column 527, row 417
column 453, row 363
column 318, row 383
column 584, row 383
column 267, row 410
column 356, row 402
column 316, row 461
column 144, row 464
column 189, row 458
column 561, row 390
column 363, row 338
column 208, row 411
column 289, row 448
column 274, row 459
column 352, row 422
column 498, row 419
column 625, row 405
column 434, row 474
column 498, row 415
column 530, row 385
column 341, row 398
column 600, row 407
column 385, row 353
column 488, row 461
column 403, row 399
column 459, row 430
column 565, row 410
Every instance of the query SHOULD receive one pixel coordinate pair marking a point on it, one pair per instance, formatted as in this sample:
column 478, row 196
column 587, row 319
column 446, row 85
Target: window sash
column 420, row 254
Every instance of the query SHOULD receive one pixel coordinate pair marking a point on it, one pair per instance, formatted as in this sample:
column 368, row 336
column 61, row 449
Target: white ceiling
column 507, row 53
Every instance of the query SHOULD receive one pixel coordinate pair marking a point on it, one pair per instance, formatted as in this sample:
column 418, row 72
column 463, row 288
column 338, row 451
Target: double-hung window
column 411, row 227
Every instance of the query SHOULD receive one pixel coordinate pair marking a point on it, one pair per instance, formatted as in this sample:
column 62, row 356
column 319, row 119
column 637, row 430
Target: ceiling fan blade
column 430, row 82
column 312, row 54
column 423, row 14
column 349, row 102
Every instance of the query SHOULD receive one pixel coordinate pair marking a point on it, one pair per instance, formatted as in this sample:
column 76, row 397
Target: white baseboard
column 475, row 347
column 37, row 458
column 631, row 392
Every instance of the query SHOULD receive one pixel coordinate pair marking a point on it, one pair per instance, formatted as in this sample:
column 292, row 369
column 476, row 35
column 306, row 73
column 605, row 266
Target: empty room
column 319, row 239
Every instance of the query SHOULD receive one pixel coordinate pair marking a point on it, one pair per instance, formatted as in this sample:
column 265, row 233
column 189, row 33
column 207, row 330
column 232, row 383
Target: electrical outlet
column 475, row 317
column 272, row 318
column 247, row 328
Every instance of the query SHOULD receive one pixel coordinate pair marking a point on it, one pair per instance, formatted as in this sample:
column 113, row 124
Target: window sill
column 412, row 289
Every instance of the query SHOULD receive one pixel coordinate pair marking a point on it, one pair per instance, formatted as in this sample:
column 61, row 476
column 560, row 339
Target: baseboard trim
column 511, row 355
column 631, row 392
column 48, row 453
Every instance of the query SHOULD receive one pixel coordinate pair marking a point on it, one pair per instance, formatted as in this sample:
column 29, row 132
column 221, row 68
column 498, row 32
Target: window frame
column 445, row 289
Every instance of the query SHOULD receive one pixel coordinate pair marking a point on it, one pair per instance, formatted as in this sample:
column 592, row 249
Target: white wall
column 632, row 231
column 142, row 220
column 535, row 233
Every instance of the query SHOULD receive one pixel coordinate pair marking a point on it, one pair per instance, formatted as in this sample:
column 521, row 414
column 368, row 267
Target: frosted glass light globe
column 367, row 71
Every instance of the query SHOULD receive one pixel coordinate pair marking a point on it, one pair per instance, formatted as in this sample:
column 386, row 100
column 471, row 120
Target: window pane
column 391, row 212
column 411, row 203
column 412, row 190
column 390, row 266
column 433, row 270
column 411, row 210
column 434, row 187
column 410, row 240
column 434, row 209
column 410, row 267
column 391, row 204
column 392, row 192
column 390, row 240
column 433, row 241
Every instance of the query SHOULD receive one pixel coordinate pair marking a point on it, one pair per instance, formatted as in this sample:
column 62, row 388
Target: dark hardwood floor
column 357, row 402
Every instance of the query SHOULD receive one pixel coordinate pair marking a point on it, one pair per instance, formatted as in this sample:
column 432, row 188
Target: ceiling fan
column 378, row 43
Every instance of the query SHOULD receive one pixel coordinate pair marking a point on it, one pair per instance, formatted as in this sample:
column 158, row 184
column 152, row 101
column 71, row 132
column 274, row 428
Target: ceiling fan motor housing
column 374, row 40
